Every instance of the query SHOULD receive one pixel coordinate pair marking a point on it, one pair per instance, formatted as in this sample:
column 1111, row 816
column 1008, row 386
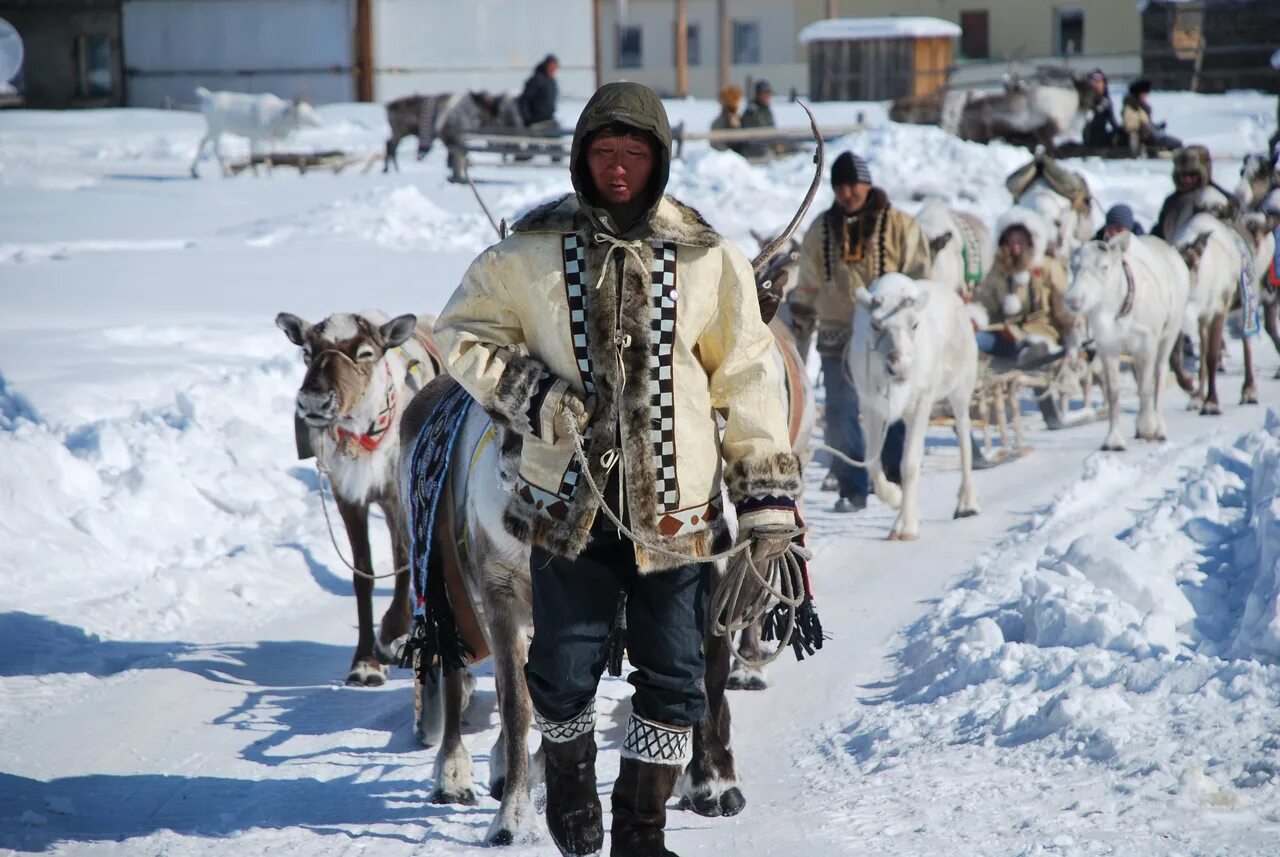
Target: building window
column 630, row 46
column 93, row 66
column 1069, row 22
column 692, row 43
column 746, row 42
column 975, row 35
column 695, row 44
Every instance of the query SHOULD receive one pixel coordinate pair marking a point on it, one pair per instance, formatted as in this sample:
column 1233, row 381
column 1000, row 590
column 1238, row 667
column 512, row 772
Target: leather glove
column 769, row 542
column 577, row 409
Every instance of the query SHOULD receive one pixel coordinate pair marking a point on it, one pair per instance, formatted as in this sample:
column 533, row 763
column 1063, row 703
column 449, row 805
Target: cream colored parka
column 660, row 333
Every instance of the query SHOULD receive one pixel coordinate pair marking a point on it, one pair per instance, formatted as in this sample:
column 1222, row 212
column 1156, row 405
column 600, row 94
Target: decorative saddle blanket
column 1272, row 278
column 436, row 631
column 1250, row 307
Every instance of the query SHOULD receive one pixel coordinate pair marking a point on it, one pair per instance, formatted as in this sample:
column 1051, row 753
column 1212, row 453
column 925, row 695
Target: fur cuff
column 515, row 392
column 771, row 476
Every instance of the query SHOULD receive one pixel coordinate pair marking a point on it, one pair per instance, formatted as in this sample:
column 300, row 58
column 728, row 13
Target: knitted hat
column 850, row 169
column 1139, row 87
column 1120, row 215
column 762, row 86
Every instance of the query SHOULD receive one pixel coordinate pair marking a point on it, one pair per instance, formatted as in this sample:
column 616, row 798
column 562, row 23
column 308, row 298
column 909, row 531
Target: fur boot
column 640, row 808
column 573, row 806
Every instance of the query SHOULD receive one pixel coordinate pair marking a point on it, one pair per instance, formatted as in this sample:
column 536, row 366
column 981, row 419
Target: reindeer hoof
column 965, row 513
column 1112, row 446
column 705, row 805
column 501, row 837
column 1210, row 409
column 367, row 673
column 903, row 537
column 1249, row 399
column 732, row 802
column 464, row 797
column 744, row 679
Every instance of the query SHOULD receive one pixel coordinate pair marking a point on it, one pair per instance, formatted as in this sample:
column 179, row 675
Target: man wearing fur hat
column 728, row 118
column 1195, row 191
column 618, row 310
column 1022, row 299
column 859, row 238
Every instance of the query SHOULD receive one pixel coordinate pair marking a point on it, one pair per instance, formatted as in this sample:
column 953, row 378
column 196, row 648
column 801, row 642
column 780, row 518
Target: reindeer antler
column 772, row 247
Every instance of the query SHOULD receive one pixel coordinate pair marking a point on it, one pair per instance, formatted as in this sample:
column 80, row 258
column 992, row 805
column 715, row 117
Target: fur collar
column 672, row 221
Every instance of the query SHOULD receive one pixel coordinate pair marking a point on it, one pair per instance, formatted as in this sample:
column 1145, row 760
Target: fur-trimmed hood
column 671, row 220
column 1033, row 223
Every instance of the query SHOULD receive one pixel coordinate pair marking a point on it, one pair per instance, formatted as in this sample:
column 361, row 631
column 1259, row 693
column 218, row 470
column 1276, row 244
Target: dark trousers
column 844, row 432
column 574, row 603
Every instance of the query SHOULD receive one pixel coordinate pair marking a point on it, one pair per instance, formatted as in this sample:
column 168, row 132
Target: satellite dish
column 10, row 52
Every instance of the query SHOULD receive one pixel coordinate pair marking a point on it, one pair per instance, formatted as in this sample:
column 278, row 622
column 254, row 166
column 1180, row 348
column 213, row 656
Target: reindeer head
column 773, row 278
column 894, row 305
column 342, row 353
column 1097, row 270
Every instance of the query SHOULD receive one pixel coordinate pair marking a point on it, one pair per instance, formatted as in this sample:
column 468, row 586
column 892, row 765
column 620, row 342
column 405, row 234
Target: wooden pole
column 364, row 51
column 595, row 32
column 682, row 49
column 832, row 10
column 722, row 14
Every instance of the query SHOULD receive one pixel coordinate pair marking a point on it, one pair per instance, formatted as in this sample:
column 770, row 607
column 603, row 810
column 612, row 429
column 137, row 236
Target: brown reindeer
column 362, row 370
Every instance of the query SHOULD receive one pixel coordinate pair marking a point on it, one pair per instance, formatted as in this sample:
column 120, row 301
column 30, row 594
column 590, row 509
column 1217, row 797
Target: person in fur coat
column 1019, row 310
column 859, row 238
column 621, row 309
column 1194, row 191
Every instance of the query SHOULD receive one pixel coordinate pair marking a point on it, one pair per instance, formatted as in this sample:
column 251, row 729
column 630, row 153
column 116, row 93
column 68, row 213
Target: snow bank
column 1152, row 649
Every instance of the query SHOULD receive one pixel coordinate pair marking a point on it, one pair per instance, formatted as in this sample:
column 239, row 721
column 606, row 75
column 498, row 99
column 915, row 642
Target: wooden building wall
column 1236, row 38
column 877, row 69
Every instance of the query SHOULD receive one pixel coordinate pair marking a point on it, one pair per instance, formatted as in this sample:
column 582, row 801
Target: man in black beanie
column 1119, row 219
column 858, row 239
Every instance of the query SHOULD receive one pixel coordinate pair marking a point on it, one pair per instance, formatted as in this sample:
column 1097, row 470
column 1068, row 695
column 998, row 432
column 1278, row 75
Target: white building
column 349, row 50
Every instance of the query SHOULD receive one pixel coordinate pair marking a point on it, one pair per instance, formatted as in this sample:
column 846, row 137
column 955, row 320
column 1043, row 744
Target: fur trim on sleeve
column 775, row 475
column 515, row 391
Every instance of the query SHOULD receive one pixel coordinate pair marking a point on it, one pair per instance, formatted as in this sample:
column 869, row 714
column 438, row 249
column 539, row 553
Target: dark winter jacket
column 1102, row 127
column 538, row 100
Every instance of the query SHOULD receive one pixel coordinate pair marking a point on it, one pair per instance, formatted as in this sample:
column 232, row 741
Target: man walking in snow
column 619, row 309
column 861, row 237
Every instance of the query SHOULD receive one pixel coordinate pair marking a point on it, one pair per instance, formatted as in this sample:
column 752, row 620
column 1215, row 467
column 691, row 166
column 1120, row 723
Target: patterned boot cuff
column 561, row 732
column 655, row 743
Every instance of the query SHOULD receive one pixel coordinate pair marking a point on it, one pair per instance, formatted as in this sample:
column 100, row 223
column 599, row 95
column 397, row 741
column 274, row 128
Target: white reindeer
column 1133, row 292
column 1216, row 257
column 362, row 370
column 261, row 118
column 913, row 346
column 960, row 243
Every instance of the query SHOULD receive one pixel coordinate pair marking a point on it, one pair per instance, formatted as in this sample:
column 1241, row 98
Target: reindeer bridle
column 353, row 444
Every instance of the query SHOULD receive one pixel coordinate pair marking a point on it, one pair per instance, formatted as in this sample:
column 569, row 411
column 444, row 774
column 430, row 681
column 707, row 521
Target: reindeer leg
column 1185, row 381
column 967, row 501
column 1212, row 359
column 397, row 620
column 1147, row 372
column 709, row 784
column 1270, row 317
column 428, row 707
column 204, row 141
column 741, row 676
column 365, row 668
column 507, row 599
column 1168, row 345
column 454, row 775
column 907, row 527
column 1249, row 393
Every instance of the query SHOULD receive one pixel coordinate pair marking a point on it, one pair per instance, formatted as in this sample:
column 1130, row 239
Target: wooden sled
column 333, row 160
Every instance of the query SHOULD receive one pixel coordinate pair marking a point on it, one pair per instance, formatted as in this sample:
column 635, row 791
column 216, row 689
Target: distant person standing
column 759, row 114
column 728, row 118
column 541, row 92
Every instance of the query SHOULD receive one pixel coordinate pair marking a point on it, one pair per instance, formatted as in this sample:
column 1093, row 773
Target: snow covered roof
column 864, row 29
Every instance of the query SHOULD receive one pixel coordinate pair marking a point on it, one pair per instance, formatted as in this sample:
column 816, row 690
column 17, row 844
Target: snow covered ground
column 1090, row 667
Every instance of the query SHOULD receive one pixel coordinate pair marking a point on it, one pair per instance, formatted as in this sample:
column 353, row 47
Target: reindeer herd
column 371, row 382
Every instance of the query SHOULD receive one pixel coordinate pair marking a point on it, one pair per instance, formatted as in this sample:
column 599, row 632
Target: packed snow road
column 1089, row 667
